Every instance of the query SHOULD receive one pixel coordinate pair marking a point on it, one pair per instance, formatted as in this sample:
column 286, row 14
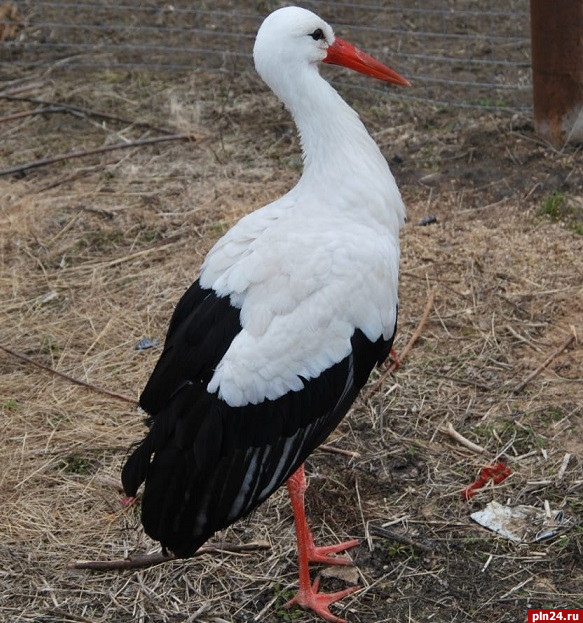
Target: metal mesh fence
column 472, row 53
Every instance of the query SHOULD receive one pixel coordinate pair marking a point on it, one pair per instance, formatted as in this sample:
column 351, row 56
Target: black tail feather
column 135, row 470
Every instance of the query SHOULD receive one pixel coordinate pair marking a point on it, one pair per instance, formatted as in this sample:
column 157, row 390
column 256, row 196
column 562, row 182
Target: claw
column 310, row 599
column 322, row 553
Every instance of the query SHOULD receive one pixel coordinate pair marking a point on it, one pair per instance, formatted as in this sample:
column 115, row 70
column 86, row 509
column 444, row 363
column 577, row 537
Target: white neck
column 341, row 161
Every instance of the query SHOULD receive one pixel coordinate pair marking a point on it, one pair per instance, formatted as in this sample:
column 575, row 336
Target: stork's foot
column 322, row 554
column 310, row 599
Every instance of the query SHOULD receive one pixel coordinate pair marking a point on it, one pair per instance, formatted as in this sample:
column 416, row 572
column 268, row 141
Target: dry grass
column 95, row 252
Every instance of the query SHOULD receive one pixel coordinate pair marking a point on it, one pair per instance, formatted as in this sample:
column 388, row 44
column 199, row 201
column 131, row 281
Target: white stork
column 294, row 306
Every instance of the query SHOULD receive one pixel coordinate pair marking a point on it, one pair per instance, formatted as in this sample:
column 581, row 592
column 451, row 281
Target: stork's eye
column 317, row 35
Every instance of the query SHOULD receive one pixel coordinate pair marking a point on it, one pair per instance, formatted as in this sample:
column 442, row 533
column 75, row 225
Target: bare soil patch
column 95, row 252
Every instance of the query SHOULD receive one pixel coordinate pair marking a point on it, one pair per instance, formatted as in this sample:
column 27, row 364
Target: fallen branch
column 98, row 150
column 572, row 338
column 395, row 364
column 63, row 375
column 142, row 561
column 452, row 432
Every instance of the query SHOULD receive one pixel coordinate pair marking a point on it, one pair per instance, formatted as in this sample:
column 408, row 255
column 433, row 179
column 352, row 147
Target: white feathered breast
column 303, row 286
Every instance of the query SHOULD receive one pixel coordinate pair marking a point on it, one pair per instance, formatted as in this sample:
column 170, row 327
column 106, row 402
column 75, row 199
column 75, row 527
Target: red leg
column 395, row 360
column 296, row 487
column 308, row 596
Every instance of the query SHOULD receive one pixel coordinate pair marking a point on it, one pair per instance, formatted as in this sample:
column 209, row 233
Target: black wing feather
column 201, row 329
column 206, row 464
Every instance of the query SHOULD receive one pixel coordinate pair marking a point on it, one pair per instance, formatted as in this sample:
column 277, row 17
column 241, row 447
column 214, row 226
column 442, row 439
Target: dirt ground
column 97, row 249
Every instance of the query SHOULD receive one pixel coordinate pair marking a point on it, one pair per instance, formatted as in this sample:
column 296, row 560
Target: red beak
column 348, row 55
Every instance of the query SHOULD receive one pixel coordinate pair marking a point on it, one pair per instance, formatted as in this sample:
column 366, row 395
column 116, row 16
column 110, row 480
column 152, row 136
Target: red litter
column 497, row 472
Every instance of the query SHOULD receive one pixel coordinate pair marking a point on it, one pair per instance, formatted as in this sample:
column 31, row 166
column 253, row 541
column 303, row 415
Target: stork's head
column 294, row 39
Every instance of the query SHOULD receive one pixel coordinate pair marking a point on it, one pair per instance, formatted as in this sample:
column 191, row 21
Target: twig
column 545, row 363
column 419, row 328
column 141, row 561
column 515, row 588
column 460, row 381
column 70, row 178
column 82, row 112
column 38, row 364
column 393, row 366
column 19, row 85
column 31, row 113
column 452, row 432
column 401, row 538
column 563, row 467
column 333, row 450
column 98, row 150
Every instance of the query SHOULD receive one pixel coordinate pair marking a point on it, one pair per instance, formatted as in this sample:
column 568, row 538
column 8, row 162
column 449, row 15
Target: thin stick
column 563, row 467
column 409, row 345
column 401, row 538
column 98, row 150
column 455, row 379
column 515, row 588
column 452, row 432
column 572, row 338
column 69, row 178
column 19, row 85
column 82, row 112
column 31, row 113
column 333, row 450
column 419, row 328
column 42, row 366
column 141, row 561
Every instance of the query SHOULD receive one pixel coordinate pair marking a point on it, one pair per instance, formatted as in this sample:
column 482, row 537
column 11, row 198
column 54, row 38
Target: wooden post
column 557, row 69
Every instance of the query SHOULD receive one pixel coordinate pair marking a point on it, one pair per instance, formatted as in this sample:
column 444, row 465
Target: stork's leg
column 393, row 360
column 308, row 595
column 296, row 487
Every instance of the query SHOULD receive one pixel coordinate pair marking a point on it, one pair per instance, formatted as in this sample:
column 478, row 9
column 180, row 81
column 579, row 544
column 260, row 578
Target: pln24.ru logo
column 555, row 614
